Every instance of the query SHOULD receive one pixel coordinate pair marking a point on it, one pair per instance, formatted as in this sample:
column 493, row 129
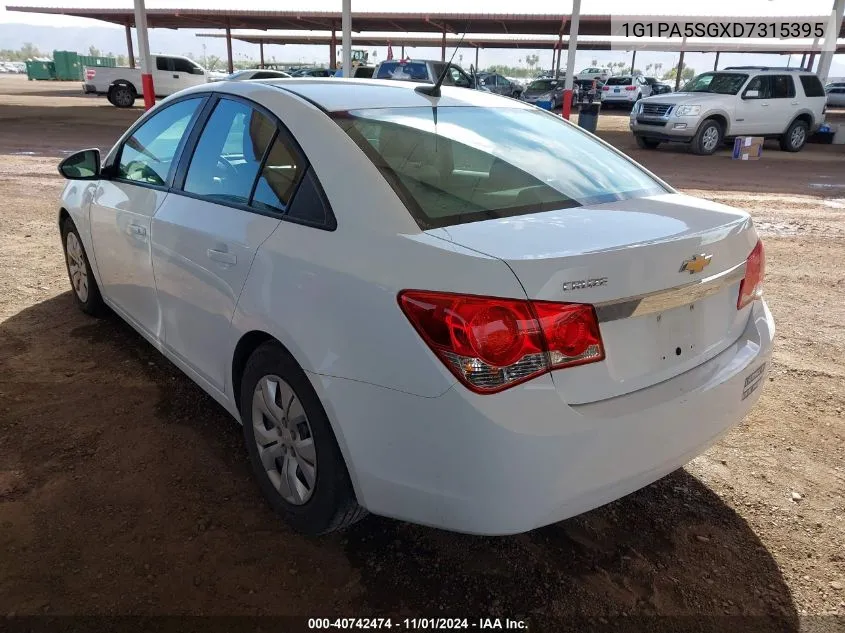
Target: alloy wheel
column 710, row 138
column 797, row 137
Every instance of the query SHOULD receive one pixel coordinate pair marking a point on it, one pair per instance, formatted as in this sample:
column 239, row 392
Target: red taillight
column 751, row 287
column 491, row 344
column 630, row 87
column 605, row 87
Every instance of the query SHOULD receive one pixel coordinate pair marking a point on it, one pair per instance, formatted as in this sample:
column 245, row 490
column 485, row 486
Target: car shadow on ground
column 146, row 505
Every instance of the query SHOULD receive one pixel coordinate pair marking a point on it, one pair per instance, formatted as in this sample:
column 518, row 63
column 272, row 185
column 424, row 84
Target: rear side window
column 812, row 86
column 782, row 86
column 229, row 153
column 147, row 156
column 279, row 176
column 618, row 81
column 412, row 71
column 480, row 163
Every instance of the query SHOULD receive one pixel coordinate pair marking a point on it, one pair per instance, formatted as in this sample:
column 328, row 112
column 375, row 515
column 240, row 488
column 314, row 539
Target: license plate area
column 678, row 333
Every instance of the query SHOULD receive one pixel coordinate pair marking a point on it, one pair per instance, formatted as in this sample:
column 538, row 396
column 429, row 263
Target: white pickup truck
column 171, row 73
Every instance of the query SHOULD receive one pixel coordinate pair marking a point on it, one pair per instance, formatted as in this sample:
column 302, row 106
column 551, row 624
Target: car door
column 754, row 114
column 123, row 205
column 205, row 235
column 163, row 76
column 784, row 104
column 645, row 87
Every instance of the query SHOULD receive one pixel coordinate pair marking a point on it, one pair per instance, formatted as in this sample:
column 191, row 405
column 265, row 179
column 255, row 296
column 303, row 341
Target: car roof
column 338, row 94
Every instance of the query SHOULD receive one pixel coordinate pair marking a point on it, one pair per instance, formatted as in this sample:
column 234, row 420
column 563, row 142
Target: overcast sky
column 755, row 8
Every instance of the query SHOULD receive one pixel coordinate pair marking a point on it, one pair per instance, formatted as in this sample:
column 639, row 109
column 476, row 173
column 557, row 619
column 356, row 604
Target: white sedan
column 460, row 311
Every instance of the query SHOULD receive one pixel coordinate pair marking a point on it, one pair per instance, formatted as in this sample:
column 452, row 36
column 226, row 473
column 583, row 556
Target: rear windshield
column 720, row 83
column 453, row 165
column 618, row 81
column 411, row 71
column 542, row 84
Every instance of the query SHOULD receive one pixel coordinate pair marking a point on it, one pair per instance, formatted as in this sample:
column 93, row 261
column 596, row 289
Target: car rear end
column 629, row 333
column 620, row 90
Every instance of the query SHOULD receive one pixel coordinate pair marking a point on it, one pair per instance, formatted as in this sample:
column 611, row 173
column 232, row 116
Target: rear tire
column 122, row 96
column 646, row 143
column 795, row 137
column 707, row 139
column 306, row 484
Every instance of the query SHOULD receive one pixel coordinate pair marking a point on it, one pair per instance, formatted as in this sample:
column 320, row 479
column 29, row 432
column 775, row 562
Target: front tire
column 291, row 445
column 795, row 137
column 86, row 292
column 708, row 138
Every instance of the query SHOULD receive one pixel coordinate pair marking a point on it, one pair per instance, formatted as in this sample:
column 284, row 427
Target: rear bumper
column 523, row 458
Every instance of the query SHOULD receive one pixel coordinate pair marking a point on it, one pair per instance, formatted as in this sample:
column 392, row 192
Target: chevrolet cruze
column 457, row 310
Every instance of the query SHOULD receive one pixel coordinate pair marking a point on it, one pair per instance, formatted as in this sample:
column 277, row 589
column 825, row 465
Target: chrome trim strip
column 663, row 300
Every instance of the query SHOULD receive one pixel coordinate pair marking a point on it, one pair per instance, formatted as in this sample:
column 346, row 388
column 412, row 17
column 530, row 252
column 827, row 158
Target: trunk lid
column 626, row 258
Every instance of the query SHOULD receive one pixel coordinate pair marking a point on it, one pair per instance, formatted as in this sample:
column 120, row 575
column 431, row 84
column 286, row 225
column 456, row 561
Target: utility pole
column 147, row 86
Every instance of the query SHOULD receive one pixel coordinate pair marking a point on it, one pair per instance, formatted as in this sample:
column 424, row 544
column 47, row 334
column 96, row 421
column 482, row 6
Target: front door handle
column 137, row 229
column 765, row 105
column 176, row 76
column 222, row 256
column 795, row 103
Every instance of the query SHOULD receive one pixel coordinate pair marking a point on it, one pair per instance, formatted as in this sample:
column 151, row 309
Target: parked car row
column 12, row 67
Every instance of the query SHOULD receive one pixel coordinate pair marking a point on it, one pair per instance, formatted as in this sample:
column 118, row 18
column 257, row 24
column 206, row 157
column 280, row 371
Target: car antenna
column 434, row 91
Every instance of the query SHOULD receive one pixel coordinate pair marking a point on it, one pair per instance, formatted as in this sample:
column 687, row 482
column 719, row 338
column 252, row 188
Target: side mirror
column 84, row 165
column 196, row 70
column 751, row 94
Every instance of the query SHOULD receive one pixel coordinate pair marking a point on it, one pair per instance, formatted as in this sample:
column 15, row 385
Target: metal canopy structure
column 412, row 41
column 490, row 23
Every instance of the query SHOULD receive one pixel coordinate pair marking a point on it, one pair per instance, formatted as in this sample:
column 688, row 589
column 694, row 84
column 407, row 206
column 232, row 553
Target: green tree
column 594, row 62
column 213, row 62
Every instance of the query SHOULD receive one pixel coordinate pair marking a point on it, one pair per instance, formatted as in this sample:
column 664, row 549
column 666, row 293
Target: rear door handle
column 222, row 256
column 765, row 105
column 136, row 229
column 176, row 76
column 795, row 103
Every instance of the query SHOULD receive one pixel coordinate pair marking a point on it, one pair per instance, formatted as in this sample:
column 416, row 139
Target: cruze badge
column 696, row 264
column 583, row 284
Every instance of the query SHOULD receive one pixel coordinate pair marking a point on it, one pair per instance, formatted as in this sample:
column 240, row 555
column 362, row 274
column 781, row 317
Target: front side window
column 183, row 65
column 229, row 153
column 161, row 63
column 455, row 77
column 761, row 85
column 147, row 156
column 720, row 83
column 471, row 163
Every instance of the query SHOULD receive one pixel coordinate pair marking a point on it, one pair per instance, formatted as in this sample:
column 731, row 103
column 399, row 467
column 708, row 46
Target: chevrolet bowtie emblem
column 696, row 264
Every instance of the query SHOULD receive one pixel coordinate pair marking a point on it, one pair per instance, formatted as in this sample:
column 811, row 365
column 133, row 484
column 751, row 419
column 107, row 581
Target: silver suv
column 785, row 104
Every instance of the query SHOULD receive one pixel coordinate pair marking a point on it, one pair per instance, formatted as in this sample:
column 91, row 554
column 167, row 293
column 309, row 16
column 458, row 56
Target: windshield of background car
column 453, row 165
column 720, row 83
column 618, row 81
column 542, row 84
column 411, row 71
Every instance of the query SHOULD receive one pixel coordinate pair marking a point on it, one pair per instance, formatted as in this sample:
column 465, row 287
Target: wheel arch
column 246, row 345
column 123, row 82
column 803, row 115
column 721, row 118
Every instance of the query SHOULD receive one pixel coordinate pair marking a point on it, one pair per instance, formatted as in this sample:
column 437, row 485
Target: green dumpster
column 40, row 71
column 68, row 67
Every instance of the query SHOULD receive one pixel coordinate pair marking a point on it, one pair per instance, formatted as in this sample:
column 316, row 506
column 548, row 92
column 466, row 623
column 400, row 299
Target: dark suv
column 423, row 71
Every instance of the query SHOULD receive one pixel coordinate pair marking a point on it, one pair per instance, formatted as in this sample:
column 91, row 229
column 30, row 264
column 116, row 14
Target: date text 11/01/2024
column 429, row 624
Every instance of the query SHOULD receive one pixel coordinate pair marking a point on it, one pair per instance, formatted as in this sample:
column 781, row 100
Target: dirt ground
column 125, row 490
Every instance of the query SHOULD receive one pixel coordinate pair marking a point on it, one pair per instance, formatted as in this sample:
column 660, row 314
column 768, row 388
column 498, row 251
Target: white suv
column 742, row 101
column 601, row 74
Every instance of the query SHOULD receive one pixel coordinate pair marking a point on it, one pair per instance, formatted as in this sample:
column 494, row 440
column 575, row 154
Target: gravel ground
column 125, row 490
